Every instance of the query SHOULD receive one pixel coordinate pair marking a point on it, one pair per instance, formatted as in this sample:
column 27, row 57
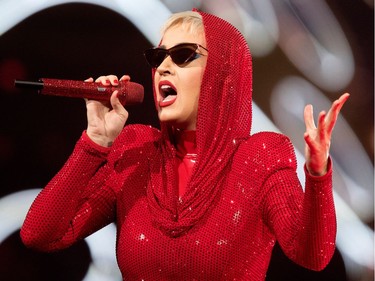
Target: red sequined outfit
column 243, row 193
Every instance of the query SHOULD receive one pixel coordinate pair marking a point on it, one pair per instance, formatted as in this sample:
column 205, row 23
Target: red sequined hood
column 224, row 120
column 224, row 113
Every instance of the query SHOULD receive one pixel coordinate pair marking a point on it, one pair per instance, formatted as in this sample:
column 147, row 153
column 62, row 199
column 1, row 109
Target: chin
column 166, row 119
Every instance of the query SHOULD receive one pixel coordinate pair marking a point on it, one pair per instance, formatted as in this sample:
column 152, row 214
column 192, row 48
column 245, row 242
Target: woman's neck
column 185, row 142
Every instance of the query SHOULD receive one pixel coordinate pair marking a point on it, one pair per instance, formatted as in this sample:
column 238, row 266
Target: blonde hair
column 191, row 20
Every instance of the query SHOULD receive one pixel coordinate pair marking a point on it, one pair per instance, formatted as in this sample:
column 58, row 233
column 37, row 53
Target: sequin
column 236, row 216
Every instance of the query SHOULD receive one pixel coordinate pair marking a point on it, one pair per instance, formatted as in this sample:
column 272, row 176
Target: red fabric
column 186, row 152
column 242, row 196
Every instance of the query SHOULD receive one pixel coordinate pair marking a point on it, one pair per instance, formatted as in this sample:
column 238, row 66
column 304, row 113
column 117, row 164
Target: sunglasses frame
column 152, row 54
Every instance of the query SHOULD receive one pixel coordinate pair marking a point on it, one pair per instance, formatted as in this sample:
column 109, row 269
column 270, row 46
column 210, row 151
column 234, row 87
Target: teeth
column 165, row 87
column 167, row 90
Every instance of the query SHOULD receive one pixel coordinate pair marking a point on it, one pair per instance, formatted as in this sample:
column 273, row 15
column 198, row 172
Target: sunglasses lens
column 182, row 54
column 155, row 56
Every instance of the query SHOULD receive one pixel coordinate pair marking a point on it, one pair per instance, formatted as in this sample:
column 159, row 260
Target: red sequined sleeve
column 65, row 209
column 304, row 222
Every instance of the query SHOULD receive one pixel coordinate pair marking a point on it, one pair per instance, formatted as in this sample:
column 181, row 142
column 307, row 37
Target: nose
column 166, row 66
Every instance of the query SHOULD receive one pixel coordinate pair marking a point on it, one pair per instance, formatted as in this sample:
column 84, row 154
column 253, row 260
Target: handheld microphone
column 130, row 93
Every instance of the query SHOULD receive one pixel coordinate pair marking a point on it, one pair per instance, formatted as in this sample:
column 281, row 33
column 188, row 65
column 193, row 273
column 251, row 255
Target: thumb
column 117, row 106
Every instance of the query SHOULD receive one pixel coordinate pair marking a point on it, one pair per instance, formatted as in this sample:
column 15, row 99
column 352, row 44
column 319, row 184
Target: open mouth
column 168, row 93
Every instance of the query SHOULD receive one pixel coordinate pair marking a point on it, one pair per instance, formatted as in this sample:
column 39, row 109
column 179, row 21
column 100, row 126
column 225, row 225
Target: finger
column 335, row 110
column 115, row 101
column 308, row 117
column 103, row 79
column 331, row 120
column 339, row 103
column 309, row 142
column 322, row 125
column 117, row 106
column 89, row 79
column 344, row 97
column 113, row 80
column 125, row 78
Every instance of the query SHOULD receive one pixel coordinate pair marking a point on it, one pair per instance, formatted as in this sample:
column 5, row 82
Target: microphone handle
column 130, row 93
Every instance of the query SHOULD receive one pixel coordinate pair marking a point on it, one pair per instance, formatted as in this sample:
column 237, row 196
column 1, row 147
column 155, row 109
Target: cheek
column 195, row 82
column 155, row 86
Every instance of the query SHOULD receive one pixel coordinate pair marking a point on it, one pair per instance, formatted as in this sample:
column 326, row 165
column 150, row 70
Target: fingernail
column 115, row 81
column 107, row 81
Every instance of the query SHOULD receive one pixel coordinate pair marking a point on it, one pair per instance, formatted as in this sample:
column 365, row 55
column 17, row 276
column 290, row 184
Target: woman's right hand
column 105, row 120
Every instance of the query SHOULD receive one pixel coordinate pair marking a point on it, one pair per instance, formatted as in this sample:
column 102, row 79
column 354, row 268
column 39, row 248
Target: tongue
column 168, row 100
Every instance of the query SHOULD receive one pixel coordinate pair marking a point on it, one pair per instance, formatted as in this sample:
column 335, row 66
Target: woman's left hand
column 318, row 139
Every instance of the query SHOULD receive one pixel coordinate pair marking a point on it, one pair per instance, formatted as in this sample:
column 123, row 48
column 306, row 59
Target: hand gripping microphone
column 130, row 93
